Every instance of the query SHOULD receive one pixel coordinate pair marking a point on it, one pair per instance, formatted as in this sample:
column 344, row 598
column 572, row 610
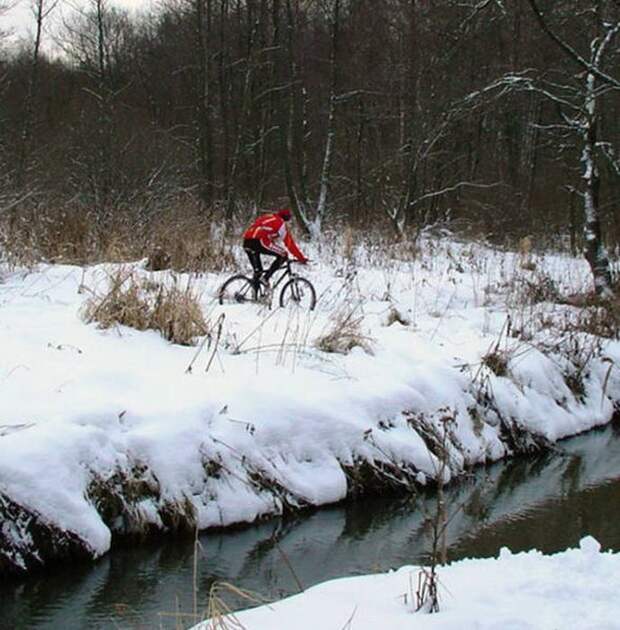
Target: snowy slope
column 107, row 431
column 576, row 588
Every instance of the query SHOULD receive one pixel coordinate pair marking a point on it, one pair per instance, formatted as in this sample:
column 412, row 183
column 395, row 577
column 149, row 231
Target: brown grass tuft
column 187, row 243
column 541, row 288
column 497, row 362
column 142, row 304
column 180, row 237
column 599, row 316
column 344, row 334
column 348, row 243
column 178, row 316
column 395, row 316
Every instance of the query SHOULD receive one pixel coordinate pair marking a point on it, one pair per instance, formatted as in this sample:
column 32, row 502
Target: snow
column 275, row 420
column 573, row 588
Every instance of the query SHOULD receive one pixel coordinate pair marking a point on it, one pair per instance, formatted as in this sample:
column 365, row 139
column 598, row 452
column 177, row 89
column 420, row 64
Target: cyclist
column 264, row 237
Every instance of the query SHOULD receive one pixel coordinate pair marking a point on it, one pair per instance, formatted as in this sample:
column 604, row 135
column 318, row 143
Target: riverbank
column 524, row 590
column 546, row 502
column 460, row 356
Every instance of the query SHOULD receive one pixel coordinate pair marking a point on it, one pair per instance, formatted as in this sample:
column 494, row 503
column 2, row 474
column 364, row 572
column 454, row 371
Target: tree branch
column 570, row 51
column 448, row 189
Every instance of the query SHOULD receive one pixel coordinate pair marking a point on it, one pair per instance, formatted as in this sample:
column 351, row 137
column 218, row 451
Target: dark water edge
column 547, row 502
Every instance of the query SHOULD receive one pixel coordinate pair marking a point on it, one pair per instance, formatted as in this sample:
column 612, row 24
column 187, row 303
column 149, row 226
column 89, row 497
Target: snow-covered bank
column 574, row 588
column 107, row 432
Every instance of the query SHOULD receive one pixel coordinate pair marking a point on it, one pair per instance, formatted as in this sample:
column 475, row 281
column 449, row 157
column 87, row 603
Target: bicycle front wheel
column 237, row 290
column 298, row 292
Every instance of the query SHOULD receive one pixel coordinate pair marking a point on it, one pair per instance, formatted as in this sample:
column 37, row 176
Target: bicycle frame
column 285, row 271
column 259, row 290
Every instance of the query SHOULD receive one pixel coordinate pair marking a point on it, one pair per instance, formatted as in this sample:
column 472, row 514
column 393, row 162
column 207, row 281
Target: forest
column 496, row 118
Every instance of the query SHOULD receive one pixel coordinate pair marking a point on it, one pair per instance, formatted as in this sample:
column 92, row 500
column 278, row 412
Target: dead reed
column 344, row 333
column 132, row 301
column 182, row 237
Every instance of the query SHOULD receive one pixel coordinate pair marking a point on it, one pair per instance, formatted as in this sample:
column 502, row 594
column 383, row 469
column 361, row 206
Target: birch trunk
column 331, row 118
column 594, row 250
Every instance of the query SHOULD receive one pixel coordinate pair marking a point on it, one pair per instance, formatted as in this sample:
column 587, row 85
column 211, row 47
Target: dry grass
column 349, row 242
column 344, row 333
column 394, row 316
column 542, row 288
column 180, row 237
column 497, row 362
column 69, row 234
column 132, row 301
column 187, row 243
column 599, row 316
column 220, row 615
column 177, row 315
column 526, row 260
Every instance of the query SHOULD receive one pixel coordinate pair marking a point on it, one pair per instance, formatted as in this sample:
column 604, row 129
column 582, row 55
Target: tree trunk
column 205, row 133
column 284, row 108
column 25, row 148
column 317, row 221
column 594, row 249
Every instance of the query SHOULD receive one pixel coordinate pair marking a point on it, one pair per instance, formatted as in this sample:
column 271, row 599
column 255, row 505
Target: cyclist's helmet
column 284, row 213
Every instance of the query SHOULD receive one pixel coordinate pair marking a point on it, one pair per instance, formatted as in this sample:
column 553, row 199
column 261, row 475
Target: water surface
column 547, row 503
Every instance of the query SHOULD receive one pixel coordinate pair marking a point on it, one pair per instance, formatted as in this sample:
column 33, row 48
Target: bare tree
column 283, row 68
column 94, row 39
column 41, row 10
column 430, row 118
column 203, row 17
column 324, row 181
column 579, row 108
column 404, row 215
column 357, row 110
column 5, row 198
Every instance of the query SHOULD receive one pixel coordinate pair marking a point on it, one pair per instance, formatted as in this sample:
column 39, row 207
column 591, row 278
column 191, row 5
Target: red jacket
column 271, row 228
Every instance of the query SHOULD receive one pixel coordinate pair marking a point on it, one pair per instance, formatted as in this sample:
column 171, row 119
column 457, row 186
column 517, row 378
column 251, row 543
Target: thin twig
column 218, row 335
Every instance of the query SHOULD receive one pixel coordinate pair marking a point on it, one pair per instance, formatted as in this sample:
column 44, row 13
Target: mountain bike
column 296, row 290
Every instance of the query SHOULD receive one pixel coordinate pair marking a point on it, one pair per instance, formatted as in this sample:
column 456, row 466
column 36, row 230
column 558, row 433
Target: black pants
column 254, row 248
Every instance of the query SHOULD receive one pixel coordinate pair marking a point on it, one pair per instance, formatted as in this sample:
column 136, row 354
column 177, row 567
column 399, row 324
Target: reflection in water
column 548, row 503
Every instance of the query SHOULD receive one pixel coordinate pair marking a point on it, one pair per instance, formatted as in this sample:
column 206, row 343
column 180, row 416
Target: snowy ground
column 577, row 588
column 106, row 430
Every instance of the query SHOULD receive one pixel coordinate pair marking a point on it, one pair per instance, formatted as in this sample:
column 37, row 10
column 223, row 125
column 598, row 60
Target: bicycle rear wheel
column 237, row 289
column 298, row 292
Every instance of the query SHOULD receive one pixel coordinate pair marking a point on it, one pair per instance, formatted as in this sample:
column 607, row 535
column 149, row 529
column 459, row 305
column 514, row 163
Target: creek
column 547, row 502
